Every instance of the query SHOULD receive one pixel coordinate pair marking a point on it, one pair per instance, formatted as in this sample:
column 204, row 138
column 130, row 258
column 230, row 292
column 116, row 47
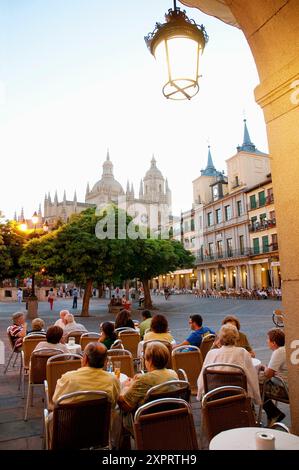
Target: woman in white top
column 54, row 338
column 277, row 367
column 229, row 353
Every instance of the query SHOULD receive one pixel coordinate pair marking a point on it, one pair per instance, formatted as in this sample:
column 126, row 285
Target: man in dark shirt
column 198, row 332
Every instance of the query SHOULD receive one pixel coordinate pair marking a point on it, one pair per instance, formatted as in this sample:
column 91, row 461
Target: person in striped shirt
column 17, row 330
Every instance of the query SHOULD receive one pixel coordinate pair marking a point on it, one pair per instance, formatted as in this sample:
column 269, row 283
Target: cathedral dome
column 153, row 172
column 107, row 185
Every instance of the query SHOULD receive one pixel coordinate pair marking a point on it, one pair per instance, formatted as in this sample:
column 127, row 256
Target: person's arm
column 269, row 373
column 64, row 385
column 184, row 343
column 273, row 366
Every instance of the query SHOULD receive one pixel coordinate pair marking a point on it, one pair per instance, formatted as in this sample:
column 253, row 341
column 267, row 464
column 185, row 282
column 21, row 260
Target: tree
column 152, row 257
column 12, row 240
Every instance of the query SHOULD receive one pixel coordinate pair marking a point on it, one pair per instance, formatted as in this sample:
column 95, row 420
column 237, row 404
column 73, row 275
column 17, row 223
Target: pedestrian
column 75, row 297
column 51, row 297
column 20, row 295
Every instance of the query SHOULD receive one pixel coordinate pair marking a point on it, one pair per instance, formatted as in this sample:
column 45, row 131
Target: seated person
column 198, row 331
column 71, row 325
column 156, row 359
column 17, row 330
column 243, row 340
column 38, row 327
column 230, row 353
column 108, row 335
column 91, row 376
column 53, row 340
column 277, row 367
column 159, row 330
column 113, row 301
column 124, row 320
column 61, row 321
column 146, row 322
column 124, row 300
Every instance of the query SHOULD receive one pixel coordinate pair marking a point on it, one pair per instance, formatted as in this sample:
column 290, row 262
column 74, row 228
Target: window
column 236, row 181
column 218, row 216
column 265, row 241
column 201, row 252
column 186, row 226
column 211, row 250
column 160, row 188
column 229, row 246
column 263, row 219
column 272, row 215
column 252, row 202
column 210, row 219
column 186, row 242
column 270, row 197
column 228, row 212
column 192, row 225
column 239, row 208
column 262, row 198
column 200, row 221
column 220, row 249
column 241, row 244
column 192, row 241
column 274, row 241
column 256, row 246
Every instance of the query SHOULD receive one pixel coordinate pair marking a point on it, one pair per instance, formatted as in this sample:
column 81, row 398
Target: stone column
column 226, row 279
column 238, row 277
column 208, row 282
column 250, row 276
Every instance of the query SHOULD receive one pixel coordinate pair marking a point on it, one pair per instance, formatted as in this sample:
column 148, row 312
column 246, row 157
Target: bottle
column 109, row 366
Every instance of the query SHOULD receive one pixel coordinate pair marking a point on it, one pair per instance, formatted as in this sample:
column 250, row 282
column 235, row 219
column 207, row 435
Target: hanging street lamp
column 177, row 45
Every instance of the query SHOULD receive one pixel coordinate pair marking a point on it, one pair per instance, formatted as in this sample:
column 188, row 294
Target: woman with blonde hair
column 230, row 353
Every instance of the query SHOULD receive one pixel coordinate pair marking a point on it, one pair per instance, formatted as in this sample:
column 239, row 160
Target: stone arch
column 272, row 32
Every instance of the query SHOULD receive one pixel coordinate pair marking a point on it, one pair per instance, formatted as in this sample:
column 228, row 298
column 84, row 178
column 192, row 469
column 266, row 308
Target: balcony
column 233, row 254
column 264, row 225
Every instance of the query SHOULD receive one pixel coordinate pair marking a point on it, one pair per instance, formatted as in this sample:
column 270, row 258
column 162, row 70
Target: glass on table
column 71, row 341
column 116, row 368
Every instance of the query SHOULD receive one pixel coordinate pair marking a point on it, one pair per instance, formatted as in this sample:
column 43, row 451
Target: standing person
column 51, row 297
column 75, row 297
column 20, row 295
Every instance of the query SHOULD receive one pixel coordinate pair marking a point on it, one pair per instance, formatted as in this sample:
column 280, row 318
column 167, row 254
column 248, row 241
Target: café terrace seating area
column 170, row 418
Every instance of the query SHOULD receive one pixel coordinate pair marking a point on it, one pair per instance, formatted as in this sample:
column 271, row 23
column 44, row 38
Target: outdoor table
column 244, row 439
column 122, row 379
column 75, row 348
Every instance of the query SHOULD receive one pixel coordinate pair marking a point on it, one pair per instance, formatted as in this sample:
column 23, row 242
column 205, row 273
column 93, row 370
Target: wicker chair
column 170, row 389
column 125, row 358
column 189, row 359
column 117, row 345
column 17, row 353
column 167, row 344
column 29, row 345
column 87, row 338
column 124, row 328
column 55, row 368
column 280, row 427
column 165, row 424
column 226, row 408
column 206, row 345
column 82, row 424
column 130, row 341
column 74, row 334
column 214, row 376
column 37, row 373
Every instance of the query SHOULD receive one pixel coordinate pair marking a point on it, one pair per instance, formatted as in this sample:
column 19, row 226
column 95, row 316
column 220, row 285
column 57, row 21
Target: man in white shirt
column 71, row 325
column 61, row 321
column 277, row 367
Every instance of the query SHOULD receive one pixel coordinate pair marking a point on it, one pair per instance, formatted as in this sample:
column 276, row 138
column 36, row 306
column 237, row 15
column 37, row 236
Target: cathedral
column 152, row 203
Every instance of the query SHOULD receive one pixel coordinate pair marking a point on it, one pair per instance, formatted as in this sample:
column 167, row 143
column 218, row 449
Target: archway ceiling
column 217, row 8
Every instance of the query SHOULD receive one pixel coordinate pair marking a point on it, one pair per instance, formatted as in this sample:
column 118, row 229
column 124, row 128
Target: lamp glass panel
column 183, row 58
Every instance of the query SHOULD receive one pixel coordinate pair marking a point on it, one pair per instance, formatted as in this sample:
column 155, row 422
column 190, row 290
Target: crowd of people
column 231, row 346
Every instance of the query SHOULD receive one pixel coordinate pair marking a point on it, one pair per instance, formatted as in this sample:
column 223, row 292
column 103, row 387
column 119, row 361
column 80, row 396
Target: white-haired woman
column 229, row 353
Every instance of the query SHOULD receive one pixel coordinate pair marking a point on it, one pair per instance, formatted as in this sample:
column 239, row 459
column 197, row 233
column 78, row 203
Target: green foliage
column 12, row 241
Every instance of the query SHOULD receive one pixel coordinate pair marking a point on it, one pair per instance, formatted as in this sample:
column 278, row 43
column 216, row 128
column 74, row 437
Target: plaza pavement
column 255, row 317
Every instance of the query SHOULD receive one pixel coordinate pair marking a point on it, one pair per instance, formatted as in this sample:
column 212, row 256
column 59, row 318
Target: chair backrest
column 12, row 344
column 75, row 334
column 87, row 338
column 117, row 345
column 170, row 389
column 38, row 364
column 226, row 408
column 81, row 424
column 124, row 328
column 206, row 345
column 57, row 366
column 165, row 424
column 29, row 344
column 125, row 358
column 167, row 344
column 189, row 359
column 130, row 341
column 223, row 374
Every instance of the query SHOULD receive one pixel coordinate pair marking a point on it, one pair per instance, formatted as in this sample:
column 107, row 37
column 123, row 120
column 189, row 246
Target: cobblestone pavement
column 255, row 317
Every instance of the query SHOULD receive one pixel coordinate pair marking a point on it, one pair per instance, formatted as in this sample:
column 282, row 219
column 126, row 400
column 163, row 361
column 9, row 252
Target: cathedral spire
column 246, row 138
column 15, row 217
column 75, row 196
column 49, row 198
column 56, row 198
column 247, row 145
column 141, row 189
column 39, row 211
column 128, row 188
column 22, row 215
column 107, row 167
column 87, row 189
column 210, row 169
column 132, row 190
column 153, row 161
column 64, row 197
column 108, row 155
